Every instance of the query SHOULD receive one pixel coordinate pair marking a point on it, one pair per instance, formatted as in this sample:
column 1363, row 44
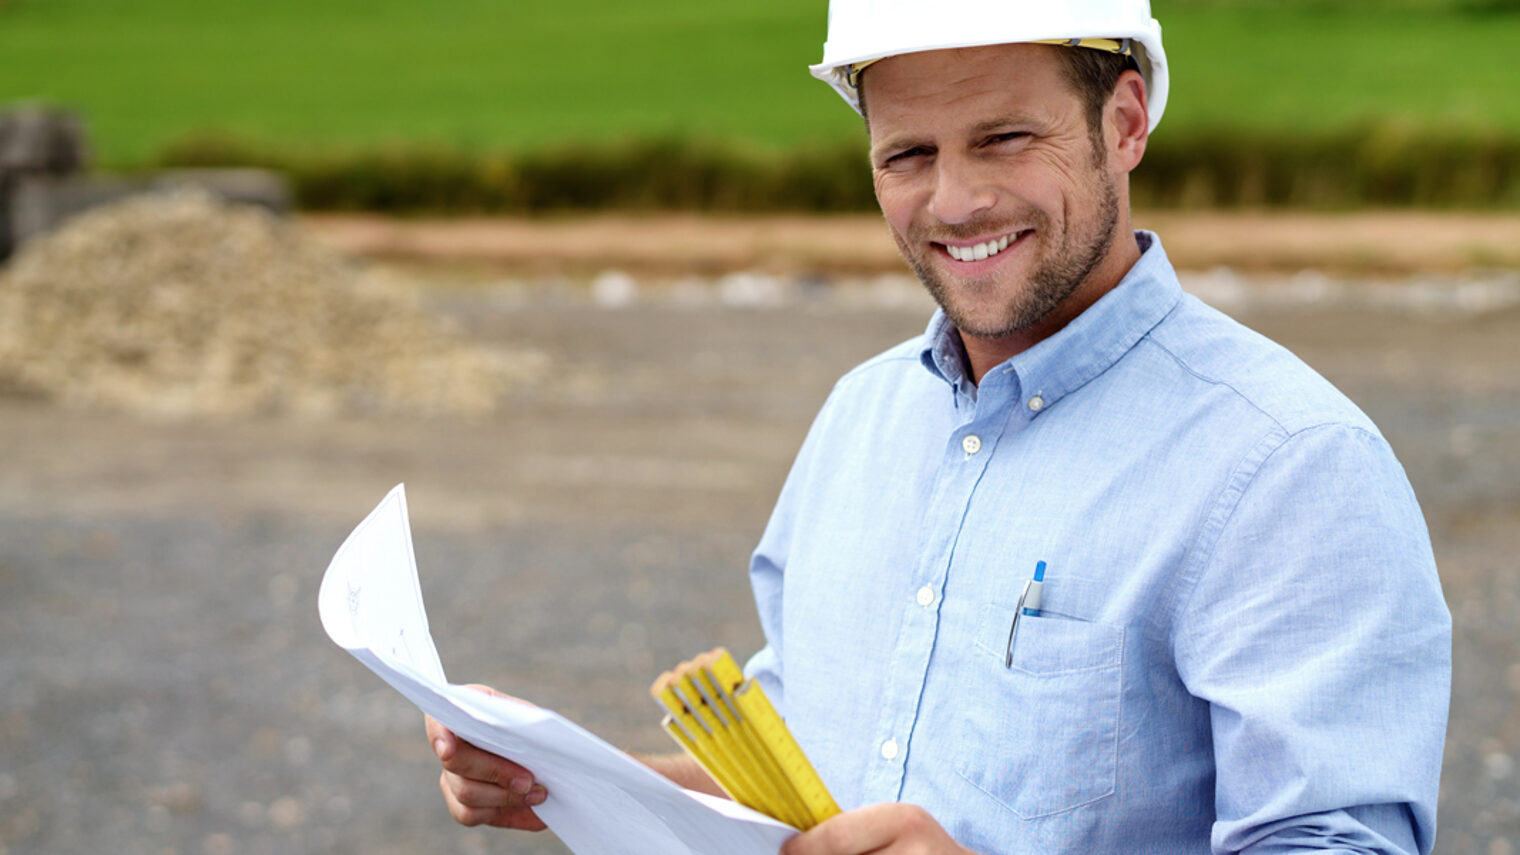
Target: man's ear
column 1126, row 122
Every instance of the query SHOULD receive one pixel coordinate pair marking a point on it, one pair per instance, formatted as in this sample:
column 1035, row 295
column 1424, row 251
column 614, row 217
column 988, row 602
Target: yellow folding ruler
column 728, row 724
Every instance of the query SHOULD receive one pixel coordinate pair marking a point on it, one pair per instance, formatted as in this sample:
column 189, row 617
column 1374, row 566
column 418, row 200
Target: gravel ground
column 167, row 686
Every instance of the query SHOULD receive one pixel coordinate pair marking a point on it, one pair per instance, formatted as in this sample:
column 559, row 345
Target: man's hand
column 481, row 788
column 884, row 829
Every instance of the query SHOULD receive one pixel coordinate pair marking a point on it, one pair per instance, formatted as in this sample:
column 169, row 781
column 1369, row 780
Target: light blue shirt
column 1242, row 644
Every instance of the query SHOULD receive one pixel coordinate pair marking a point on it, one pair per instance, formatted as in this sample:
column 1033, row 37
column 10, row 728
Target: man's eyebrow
column 901, row 142
column 1002, row 123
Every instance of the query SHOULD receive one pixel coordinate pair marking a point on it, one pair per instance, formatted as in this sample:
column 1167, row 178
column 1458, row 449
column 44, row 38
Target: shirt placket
column 968, row 449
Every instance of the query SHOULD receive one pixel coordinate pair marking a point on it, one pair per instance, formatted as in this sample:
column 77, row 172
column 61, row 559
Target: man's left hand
column 884, row 829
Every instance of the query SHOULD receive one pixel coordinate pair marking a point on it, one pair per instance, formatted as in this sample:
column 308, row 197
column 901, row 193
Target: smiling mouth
column 986, row 249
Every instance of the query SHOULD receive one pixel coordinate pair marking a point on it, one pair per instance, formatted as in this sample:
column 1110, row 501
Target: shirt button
column 889, row 750
column 925, row 596
column 1036, row 403
column 972, row 443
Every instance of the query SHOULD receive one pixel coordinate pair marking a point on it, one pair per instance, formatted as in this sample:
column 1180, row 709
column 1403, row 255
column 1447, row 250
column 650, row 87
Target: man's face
column 993, row 186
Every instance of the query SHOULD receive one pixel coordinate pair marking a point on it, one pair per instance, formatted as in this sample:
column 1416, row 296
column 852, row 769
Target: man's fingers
column 479, row 794
column 481, row 788
column 465, row 760
column 888, row 827
column 522, row 819
column 441, row 738
column 482, row 806
column 843, row 834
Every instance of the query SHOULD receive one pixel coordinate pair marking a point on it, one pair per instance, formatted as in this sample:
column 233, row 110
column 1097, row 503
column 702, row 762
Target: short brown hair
column 1094, row 74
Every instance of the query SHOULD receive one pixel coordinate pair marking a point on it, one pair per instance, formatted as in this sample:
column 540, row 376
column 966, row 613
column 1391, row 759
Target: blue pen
column 1030, row 601
column 1029, row 604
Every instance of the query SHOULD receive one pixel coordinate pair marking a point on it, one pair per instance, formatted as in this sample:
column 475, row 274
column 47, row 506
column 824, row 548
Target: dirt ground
column 168, row 689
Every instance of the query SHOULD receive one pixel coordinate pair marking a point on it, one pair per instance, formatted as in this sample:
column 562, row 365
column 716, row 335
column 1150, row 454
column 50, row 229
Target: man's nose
column 960, row 192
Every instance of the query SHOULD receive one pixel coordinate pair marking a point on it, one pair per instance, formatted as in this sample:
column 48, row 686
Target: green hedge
column 1383, row 166
column 1380, row 166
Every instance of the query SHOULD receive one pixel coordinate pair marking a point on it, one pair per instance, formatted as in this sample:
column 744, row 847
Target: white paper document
column 601, row 801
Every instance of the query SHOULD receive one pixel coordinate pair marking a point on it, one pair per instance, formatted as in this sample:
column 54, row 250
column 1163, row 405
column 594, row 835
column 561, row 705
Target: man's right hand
column 481, row 788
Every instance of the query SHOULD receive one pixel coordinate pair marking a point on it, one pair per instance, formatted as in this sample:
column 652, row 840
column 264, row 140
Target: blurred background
column 580, row 276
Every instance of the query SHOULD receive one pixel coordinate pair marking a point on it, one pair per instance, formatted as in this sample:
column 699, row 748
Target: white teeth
column 979, row 251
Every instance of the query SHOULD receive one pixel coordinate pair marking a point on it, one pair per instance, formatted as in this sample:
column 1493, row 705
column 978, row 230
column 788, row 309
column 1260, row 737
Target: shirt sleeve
column 1317, row 632
column 767, row 567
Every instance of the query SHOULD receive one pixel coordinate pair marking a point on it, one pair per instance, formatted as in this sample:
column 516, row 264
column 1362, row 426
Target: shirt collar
column 943, row 353
column 1082, row 349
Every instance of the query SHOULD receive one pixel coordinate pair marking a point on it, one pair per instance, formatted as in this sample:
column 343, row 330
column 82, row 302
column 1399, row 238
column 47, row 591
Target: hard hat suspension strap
column 1123, row 47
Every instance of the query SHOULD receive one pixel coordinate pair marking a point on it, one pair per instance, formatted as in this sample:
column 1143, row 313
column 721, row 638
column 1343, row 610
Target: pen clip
column 1013, row 627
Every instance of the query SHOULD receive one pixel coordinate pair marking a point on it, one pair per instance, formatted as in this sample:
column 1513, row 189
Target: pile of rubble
column 178, row 304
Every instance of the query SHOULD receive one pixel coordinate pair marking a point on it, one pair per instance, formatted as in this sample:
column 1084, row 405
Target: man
column 1240, row 643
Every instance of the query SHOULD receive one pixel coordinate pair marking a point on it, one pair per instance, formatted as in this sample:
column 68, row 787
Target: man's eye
column 1010, row 136
column 906, row 155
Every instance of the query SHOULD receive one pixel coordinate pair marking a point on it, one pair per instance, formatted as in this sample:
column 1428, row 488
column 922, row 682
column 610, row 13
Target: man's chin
column 990, row 319
column 988, row 328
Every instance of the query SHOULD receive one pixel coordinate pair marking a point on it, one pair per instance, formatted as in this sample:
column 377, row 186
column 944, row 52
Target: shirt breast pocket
column 1042, row 736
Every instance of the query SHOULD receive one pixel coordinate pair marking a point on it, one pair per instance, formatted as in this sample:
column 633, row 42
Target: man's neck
column 984, row 354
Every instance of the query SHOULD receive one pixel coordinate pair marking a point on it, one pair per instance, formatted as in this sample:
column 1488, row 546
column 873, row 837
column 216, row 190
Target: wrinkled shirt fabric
column 1242, row 644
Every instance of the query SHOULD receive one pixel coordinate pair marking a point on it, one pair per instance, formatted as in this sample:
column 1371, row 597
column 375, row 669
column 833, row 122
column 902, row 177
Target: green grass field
column 506, row 74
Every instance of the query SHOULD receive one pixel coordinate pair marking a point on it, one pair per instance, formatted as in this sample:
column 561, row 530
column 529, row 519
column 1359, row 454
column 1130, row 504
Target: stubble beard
column 1058, row 274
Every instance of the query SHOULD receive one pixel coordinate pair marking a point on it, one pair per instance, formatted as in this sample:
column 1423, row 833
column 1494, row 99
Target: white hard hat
column 863, row 31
